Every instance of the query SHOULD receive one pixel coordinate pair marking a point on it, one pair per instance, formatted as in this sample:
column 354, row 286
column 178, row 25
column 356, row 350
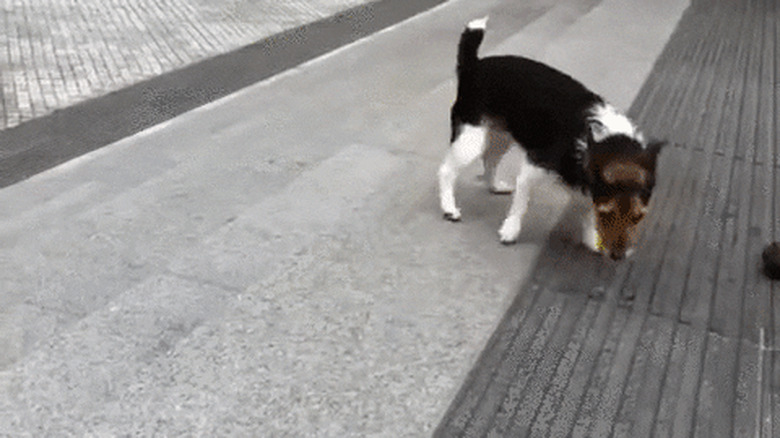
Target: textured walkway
column 683, row 340
column 59, row 52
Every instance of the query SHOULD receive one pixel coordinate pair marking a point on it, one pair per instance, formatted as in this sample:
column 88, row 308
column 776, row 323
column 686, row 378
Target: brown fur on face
column 617, row 220
column 625, row 173
column 621, row 205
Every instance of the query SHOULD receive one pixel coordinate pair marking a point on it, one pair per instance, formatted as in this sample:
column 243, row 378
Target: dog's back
column 542, row 108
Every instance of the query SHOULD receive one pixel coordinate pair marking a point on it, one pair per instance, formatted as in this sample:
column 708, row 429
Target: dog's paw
column 592, row 244
column 591, row 239
column 501, row 188
column 452, row 216
column 509, row 231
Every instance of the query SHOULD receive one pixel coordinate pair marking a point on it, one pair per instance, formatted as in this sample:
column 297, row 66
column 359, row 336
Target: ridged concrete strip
column 589, row 407
column 506, row 388
column 611, row 395
column 754, row 120
column 671, row 383
column 575, row 391
column 773, row 380
column 773, row 337
column 720, row 374
column 642, row 391
column 555, row 398
column 732, row 270
column 667, row 301
column 531, row 415
column 514, row 344
column 660, row 300
column 670, row 290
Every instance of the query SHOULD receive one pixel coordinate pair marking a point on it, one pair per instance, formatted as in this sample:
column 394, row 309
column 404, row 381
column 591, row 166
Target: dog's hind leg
column 467, row 146
column 498, row 144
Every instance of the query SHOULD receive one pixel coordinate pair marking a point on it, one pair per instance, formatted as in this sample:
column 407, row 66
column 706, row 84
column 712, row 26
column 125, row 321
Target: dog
column 563, row 129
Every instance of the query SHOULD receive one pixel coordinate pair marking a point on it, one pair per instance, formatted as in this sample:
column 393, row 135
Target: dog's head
column 622, row 171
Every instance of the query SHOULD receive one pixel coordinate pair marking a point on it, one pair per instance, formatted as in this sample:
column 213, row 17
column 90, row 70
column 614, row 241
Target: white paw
column 509, row 230
column 590, row 239
column 590, row 235
column 502, row 187
column 452, row 215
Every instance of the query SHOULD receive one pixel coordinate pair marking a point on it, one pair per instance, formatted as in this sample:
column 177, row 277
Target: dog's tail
column 465, row 108
column 470, row 40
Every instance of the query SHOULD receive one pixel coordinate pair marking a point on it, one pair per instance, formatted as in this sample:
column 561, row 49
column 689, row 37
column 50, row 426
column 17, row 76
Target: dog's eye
column 636, row 218
column 606, row 207
column 603, row 210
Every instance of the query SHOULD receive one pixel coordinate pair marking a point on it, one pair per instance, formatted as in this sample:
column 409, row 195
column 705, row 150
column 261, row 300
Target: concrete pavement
column 274, row 263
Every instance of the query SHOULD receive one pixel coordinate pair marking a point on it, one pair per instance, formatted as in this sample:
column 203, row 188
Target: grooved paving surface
column 678, row 341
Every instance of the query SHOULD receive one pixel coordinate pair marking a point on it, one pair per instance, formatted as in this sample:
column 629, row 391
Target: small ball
column 600, row 243
column 771, row 258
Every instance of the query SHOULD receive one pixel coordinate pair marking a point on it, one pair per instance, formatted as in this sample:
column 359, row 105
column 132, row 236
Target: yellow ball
column 599, row 243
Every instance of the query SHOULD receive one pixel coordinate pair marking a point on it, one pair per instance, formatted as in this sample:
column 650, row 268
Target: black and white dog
column 563, row 129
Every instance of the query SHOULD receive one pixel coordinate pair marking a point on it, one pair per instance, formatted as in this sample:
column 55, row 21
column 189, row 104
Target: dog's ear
column 597, row 131
column 654, row 147
column 652, row 151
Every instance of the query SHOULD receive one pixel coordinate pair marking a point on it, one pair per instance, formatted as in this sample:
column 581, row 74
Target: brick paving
column 55, row 53
column 682, row 341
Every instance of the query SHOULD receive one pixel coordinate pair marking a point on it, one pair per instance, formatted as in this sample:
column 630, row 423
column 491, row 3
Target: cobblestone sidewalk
column 54, row 53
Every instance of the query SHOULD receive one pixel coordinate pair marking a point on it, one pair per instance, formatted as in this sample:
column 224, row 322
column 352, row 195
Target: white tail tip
column 478, row 24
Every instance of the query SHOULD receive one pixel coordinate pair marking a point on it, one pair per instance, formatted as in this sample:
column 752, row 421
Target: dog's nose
column 617, row 255
column 618, row 250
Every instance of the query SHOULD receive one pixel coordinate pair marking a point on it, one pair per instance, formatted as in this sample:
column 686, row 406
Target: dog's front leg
column 512, row 225
column 590, row 235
